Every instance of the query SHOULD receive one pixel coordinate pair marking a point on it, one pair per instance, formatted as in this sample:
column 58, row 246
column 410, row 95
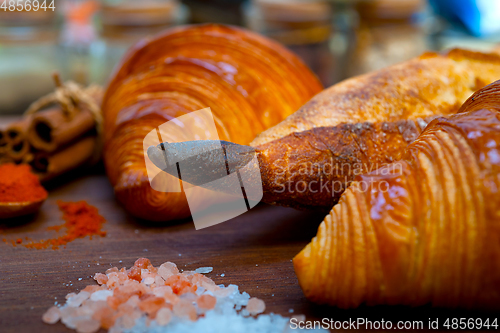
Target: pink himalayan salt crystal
column 87, row 325
column 203, row 281
column 206, row 302
column 112, row 270
column 185, row 309
column 168, row 269
column 163, row 316
column 52, row 315
column 159, row 281
column 151, row 305
column 101, row 278
column 158, row 294
column 255, row 306
column 91, row 289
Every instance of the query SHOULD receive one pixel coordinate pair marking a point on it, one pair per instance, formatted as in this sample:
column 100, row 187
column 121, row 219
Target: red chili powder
column 81, row 219
column 18, row 184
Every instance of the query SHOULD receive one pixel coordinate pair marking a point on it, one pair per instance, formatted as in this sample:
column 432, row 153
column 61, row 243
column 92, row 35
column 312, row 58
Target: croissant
column 356, row 126
column 421, row 230
column 249, row 82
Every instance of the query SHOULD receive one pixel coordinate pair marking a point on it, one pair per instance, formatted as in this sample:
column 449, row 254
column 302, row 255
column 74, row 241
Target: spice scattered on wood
column 81, row 219
column 19, row 184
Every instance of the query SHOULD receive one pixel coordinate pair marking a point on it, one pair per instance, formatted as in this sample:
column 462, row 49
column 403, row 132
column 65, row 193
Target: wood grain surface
column 253, row 251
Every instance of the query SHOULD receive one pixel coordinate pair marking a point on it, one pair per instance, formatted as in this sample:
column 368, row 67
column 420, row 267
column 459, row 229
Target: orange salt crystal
column 114, row 301
column 151, row 305
column 255, row 306
column 180, row 284
column 135, row 274
column 52, row 315
column 101, row 278
column 142, row 263
column 19, row 241
column 206, row 302
column 106, row 316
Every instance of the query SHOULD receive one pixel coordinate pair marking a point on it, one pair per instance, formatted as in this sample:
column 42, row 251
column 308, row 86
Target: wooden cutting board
column 253, row 251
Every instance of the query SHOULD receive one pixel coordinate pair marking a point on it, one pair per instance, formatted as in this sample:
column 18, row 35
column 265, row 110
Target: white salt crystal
column 204, row 270
column 77, row 300
column 101, row 295
column 222, row 275
column 290, row 311
column 159, row 281
column 200, row 290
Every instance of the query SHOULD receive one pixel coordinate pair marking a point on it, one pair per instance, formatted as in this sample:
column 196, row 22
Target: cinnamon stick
column 3, row 139
column 52, row 129
column 16, row 131
column 51, row 165
column 3, row 147
column 16, row 149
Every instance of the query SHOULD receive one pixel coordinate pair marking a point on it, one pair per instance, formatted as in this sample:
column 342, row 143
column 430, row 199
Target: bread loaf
column 358, row 125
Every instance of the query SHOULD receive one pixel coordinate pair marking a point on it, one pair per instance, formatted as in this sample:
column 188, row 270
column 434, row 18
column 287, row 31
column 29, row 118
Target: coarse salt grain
column 204, row 270
column 255, row 306
column 165, row 300
column 52, row 315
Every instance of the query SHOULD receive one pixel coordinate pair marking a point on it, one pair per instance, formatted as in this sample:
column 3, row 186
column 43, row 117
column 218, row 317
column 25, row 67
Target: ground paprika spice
column 19, row 184
column 81, row 219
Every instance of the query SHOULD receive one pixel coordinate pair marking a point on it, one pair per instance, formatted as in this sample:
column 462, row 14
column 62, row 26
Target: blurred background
column 84, row 39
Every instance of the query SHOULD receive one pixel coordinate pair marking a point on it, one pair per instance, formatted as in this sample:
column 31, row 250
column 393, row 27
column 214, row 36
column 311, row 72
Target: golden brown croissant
column 425, row 229
column 249, row 82
column 360, row 124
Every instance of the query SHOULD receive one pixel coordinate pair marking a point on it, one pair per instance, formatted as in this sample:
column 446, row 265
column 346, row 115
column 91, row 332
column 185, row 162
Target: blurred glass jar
column 28, row 57
column 316, row 30
column 389, row 32
column 123, row 23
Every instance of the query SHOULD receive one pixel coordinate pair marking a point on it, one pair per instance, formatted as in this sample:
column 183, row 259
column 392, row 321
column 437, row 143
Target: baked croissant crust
column 249, row 82
column 425, row 229
column 360, row 124
column 429, row 85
